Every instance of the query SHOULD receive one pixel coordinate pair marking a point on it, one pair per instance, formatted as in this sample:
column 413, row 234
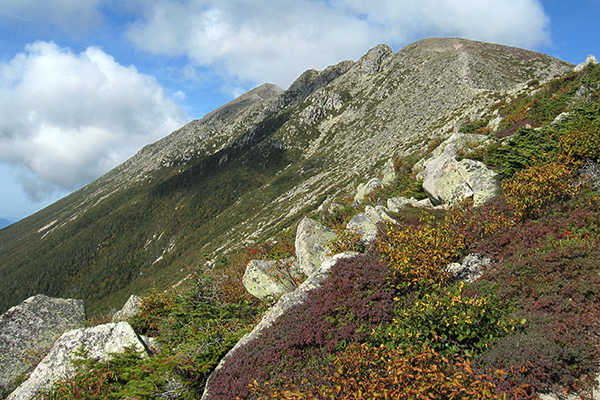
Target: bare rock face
column 447, row 180
column 28, row 330
column 130, row 308
column 311, row 238
column 98, row 342
column 267, row 280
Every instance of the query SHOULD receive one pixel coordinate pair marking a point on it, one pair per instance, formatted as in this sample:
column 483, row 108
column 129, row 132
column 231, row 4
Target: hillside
column 495, row 301
column 253, row 168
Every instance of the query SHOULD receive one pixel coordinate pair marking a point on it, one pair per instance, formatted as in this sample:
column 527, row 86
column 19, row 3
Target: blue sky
column 85, row 83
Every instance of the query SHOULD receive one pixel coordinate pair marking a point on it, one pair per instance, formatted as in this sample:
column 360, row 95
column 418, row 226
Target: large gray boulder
column 395, row 204
column 389, row 173
column 28, row 330
column 98, row 342
column 130, row 308
column 268, row 280
column 470, row 269
column 365, row 224
column 311, row 238
column 388, row 177
column 447, row 180
column 364, row 189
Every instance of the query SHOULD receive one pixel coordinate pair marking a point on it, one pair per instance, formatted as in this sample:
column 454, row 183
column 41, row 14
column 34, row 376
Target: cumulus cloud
column 259, row 40
column 263, row 40
column 67, row 118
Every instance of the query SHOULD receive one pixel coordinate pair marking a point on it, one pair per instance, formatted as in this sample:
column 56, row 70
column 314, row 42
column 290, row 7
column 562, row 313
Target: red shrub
column 352, row 301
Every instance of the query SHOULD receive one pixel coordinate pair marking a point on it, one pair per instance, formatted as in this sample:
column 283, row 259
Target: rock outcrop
column 589, row 60
column 447, row 180
column 28, row 330
column 311, row 238
column 130, row 308
column 267, row 280
column 97, row 342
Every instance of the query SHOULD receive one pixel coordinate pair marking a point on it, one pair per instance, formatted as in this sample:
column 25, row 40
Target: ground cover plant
column 391, row 323
column 194, row 328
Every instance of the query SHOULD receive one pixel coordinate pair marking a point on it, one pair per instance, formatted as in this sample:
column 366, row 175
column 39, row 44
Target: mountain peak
column 254, row 166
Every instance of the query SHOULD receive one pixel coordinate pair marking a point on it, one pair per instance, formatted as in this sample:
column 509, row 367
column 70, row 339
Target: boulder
column 98, row 342
column 311, row 238
column 471, row 268
column 28, row 330
column 130, row 308
column 395, row 204
column 366, row 223
column 364, row 189
column 447, row 180
column 268, row 280
column 389, row 173
column 388, row 177
column 590, row 173
column 589, row 60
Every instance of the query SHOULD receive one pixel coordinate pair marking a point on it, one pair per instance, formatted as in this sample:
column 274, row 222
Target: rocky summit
column 255, row 167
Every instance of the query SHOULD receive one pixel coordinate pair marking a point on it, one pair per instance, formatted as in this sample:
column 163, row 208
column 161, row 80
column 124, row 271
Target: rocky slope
column 254, row 167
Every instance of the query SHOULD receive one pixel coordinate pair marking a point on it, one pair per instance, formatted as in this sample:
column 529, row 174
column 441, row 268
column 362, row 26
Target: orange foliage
column 364, row 372
column 419, row 253
column 532, row 188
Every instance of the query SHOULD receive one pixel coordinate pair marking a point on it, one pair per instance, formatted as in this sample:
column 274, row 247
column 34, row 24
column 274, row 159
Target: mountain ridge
column 254, row 166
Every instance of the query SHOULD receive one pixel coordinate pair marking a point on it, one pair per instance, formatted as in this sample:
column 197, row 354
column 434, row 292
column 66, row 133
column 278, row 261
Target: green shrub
column 448, row 320
column 124, row 375
column 527, row 147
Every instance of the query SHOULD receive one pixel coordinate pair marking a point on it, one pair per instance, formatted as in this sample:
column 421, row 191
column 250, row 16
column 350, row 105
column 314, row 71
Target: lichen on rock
column 28, row 330
column 97, row 342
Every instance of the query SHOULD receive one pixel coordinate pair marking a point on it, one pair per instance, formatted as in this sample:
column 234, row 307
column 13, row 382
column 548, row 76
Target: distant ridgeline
column 255, row 167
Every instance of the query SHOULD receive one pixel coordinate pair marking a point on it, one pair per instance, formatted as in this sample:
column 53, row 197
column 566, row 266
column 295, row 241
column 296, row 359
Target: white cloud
column 274, row 41
column 68, row 118
column 259, row 40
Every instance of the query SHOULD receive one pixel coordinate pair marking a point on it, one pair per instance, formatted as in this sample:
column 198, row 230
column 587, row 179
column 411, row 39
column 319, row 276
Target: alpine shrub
column 364, row 372
column 535, row 187
column 345, row 309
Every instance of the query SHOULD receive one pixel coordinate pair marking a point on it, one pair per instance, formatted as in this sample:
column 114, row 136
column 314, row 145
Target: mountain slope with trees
column 253, row 168
column 391, row 322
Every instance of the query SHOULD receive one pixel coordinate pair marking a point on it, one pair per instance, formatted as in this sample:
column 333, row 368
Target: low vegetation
column 391, row 323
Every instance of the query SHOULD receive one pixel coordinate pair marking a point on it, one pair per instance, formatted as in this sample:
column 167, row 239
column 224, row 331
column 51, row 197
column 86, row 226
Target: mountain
column 254, row 167
column 4, row 223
